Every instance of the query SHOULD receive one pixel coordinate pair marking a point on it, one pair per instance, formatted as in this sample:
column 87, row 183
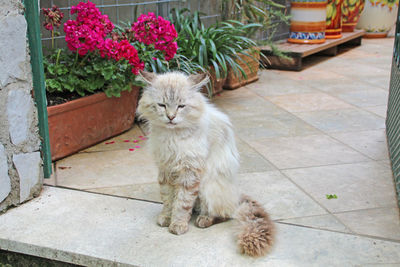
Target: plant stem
column 58, row 56
column 52, row 39
column 76, row 58
column 84, row 59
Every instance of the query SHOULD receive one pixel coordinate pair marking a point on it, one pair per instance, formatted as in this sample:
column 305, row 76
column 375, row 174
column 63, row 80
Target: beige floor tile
column 106, row 169
column 120, row 142
column 378, row 110
column 308, row 102
column 316, row 73
column 356, row 70
column 342, row 120
column 305, row 151
column 281, row 198
column 243, row 106
column 365, row 98
column 251, row 160
column 283, row 86
column 357, row 186
column 335, row 87
column 382, row 222
column 371, row 143
column 385, row 163
column 381, row 81
column 268, row 75
column 323, row 222
column 266, row 125
column 147, row 191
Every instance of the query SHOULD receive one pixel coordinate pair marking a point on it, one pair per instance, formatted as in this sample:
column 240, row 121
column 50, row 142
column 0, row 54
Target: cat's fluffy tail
column 256, row 230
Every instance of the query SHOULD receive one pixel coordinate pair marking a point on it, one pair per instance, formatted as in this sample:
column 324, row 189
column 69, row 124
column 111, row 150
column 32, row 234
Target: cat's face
column 172, row 100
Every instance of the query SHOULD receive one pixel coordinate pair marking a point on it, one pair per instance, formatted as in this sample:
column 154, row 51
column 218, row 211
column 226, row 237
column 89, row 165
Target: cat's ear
column 199, row 80
column 148, row 77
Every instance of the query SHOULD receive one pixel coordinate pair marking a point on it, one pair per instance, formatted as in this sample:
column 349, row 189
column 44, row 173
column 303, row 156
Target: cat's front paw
column 163, row 220
column 204, row 221
column 178, row 228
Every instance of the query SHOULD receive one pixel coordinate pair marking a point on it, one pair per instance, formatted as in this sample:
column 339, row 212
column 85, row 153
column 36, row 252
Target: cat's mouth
column 171, row 123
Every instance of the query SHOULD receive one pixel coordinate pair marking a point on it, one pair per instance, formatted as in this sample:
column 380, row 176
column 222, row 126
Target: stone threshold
column 97, row 230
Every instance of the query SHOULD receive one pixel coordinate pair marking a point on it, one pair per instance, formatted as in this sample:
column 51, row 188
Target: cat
column 193, row 145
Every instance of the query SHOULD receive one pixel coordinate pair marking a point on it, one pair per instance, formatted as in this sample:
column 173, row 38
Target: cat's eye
column 181, row 106
column 161, row 105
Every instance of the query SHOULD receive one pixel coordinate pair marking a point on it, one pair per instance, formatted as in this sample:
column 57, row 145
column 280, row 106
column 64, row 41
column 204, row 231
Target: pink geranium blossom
column 88, row 32
column 150, row 29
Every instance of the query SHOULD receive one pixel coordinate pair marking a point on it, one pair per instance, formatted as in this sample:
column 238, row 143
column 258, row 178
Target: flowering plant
column 101, row 56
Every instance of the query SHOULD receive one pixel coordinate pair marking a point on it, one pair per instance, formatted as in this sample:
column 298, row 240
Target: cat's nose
column 171, row 117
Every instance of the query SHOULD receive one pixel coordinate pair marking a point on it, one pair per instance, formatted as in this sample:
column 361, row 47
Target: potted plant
column 267, row 15
column 91, row 86
column 214, row 48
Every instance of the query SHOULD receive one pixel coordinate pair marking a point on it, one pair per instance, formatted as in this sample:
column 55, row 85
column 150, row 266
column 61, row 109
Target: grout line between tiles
column 366, row 209
column 334, row 231
column 104, row 187
column 326, row 165
column 104, row 194
column 317, row 202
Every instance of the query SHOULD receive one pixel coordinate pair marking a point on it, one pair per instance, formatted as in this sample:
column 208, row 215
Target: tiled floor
column 302, row 135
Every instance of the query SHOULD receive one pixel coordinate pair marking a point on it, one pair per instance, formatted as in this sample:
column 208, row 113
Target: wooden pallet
column 298, row 52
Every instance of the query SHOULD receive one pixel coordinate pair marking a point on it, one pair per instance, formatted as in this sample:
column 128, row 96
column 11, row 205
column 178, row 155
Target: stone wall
column 21, row 172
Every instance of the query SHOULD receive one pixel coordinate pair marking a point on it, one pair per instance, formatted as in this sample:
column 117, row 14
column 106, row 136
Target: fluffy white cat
column 194, row 148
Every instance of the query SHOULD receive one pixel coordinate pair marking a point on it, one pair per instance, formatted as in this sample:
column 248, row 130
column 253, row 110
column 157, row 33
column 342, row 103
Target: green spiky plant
column 214, row 48
column 265, row 12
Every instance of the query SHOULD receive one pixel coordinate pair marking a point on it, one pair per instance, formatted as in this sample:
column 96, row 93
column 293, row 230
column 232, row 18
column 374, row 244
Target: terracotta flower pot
column 217, row 84
column 378, row 17
column 234, row 81
column 308, row 21
column 83, row 122
column 351, row 12
column 333, row 19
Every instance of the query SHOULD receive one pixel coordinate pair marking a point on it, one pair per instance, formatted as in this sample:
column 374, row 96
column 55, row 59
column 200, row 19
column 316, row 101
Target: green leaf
column 51, row 69
column 216, row 69
column 330, row 196
column 107, row 72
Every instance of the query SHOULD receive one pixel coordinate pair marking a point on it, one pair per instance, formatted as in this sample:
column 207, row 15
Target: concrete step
column 96, row 230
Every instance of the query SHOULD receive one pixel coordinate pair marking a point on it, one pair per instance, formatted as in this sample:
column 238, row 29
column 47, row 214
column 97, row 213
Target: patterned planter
column 308, row 21
column 234, row 81
column 351, row 12
column 333, row 19
column 86, row 121
column 378, row 17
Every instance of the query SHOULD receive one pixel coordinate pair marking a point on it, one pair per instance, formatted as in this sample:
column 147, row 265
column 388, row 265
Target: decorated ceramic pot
column 308, row 21
column 378, row 17
column 333, row 19
column 351, row 12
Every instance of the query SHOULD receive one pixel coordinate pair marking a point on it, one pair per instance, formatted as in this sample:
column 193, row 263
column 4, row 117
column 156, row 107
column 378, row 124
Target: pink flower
column 157, row 31
column 88, row 32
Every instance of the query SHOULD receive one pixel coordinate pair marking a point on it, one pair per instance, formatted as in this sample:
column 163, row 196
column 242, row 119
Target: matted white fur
column 194, row 147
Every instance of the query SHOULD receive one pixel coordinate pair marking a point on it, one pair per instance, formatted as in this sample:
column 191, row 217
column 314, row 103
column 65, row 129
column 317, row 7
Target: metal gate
column 393, row 112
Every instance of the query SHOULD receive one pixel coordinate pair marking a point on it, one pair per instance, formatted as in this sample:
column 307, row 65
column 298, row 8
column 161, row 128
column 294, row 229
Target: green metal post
column 35, row 45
